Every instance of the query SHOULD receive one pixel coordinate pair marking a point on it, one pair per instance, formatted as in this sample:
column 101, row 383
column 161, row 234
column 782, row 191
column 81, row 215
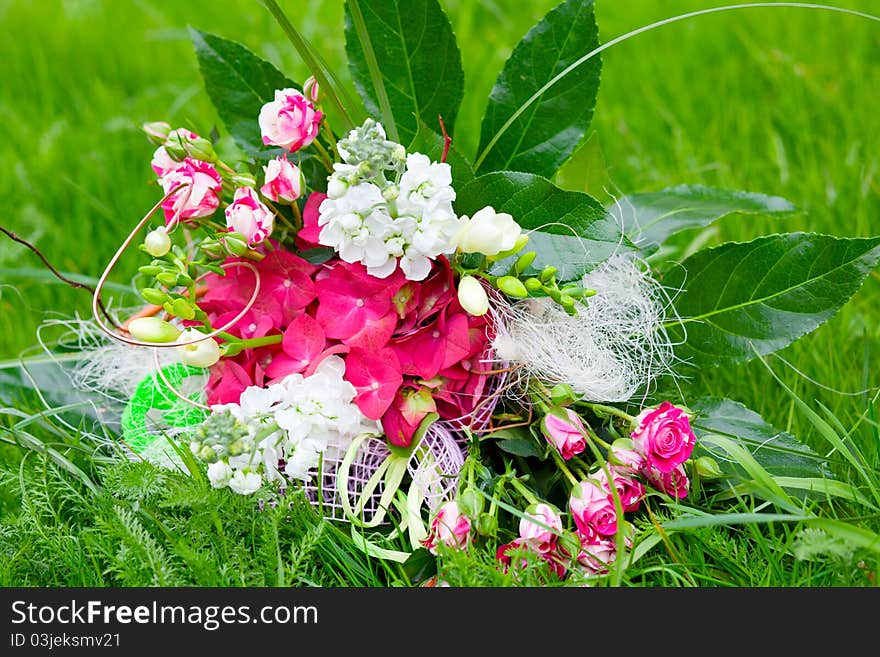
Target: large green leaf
column 542, row 137
column 742, row 299
column 417, row 58
column 649, row 218
column 239, row 83
column 569, row 230
column 780, row 453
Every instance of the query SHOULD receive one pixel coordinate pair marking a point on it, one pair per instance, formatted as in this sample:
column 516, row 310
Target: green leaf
column 431, row 144
column 542, row 137
column 778, row 452
column 744, row 299
column 569, row 230
column 520, row 447
column 239, row 83
column 649, row 219
column 418, row 58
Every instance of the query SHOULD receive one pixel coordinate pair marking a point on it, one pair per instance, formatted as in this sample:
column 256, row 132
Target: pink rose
column 199, row 196
column 626, row 461
column 541, row 539
column 596, row 555
column 557, row 559
column 290, row 121
column 283, row 181
column 162, row 163
column 564, row 429
column 663, row 436
column 593, row 510
column 450, row 527
column 674, row 483
column 248, row 216
column 629, row 490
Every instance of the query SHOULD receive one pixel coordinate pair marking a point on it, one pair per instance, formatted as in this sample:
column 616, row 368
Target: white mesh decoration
column 435, row 464
column 321, row 490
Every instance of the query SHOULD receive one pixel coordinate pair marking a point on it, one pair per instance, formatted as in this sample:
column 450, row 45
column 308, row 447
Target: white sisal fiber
column 614, row 348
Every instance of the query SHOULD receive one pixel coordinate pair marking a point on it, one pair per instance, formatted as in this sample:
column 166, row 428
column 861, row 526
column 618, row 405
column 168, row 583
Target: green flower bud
column 153, row 329
column 470, row 502
column 524, row 262
column 548, row 274
column 168, row 278
column 207, row 454
column 566, row 301
column 157, row 131
column 391, row 192
column 512, row 286
column 150, row 270
column 570, row 543
column 201, row 149
column 589, row 293
column 574, row 291
column 176, row 148
column 487, row 524
column 533, row 284
column 707, row 468
column 235, row 244
column 182, row 308
column 243, row 180
column 154, row 296
column 562, row 394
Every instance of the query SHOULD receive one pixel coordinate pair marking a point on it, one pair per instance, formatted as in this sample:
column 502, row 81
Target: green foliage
column 416, row 55
column 239, row 83
column 649, row 218
column 568, row 230
column 739, row 300
column 537, row 135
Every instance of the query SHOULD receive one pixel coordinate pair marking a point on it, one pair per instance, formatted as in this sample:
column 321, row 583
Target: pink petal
column 304, row 340
column 376, row 376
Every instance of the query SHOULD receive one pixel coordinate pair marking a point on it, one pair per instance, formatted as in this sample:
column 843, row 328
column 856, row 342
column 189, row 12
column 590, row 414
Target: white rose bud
column 472, row 296
column 153, row 329
column 199, row 354
column 157, row 243
column 488, row 232
column 219, row 474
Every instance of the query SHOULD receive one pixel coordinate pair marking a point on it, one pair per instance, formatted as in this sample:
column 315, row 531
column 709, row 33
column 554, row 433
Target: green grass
column 780, row 101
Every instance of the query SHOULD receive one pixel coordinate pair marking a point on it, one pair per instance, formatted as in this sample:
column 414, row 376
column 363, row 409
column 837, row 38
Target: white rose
column 488, row 232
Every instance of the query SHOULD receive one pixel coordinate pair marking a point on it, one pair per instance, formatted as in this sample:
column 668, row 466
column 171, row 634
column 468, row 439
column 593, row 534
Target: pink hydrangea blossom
column 198, row 190
column 290, row 121
column 449, row 527
column 248, row 216
column 564, row 429
column 283, row 181
column 592, row 508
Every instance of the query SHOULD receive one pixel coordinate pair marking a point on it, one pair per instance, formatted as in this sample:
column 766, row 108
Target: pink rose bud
column 663, row 436
column 563, row 428
column 290, row 121
column 310, row 88
column 593, row 510
column 596, row 555
column 248, row 216
column 200, row 194
column 629, row 490
column 674, row 483
column 283, row 181
column 157, row 131
column 449, row 527
column 163, row 163
column 541, row 537
column 625, row 460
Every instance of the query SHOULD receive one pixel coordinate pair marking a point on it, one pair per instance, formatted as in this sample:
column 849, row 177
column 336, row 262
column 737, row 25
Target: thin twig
column 56, row 273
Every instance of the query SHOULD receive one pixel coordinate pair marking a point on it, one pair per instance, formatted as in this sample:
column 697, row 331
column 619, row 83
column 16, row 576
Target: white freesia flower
column 488, row 232
column 203, row 353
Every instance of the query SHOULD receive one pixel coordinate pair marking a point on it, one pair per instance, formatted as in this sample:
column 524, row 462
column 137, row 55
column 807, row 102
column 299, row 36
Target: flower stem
column 525, row 492
column 610, row 410
column 564, row 468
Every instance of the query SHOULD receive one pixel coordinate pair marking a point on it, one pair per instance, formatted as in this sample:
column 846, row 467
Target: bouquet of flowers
column 454, row 349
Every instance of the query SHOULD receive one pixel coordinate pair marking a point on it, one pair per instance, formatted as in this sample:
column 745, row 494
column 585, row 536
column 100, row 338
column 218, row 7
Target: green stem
column 561, row 463
column 610, row 410
column 325, row 155
column 305, row 52
column 525, row 492
column 375, row 74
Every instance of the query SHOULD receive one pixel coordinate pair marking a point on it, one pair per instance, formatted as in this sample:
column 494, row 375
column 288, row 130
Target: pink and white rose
column 283, row 181
column 249, row 216
column 592, row 508
column 564, row 429
column 674, row 483
column 664, row 437
column 541, row 537
column 291, row 121
column 629, row 490
column 199, row 195
column 162, row 163
column 450, row 527
column 624, row 460
column 597, row 555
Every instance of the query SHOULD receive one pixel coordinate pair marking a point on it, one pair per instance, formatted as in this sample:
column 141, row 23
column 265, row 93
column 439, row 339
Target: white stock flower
column 245, row 483
column 219, row 474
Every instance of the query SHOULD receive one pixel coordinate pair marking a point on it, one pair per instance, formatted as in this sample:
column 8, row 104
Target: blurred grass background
column 780, row 101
